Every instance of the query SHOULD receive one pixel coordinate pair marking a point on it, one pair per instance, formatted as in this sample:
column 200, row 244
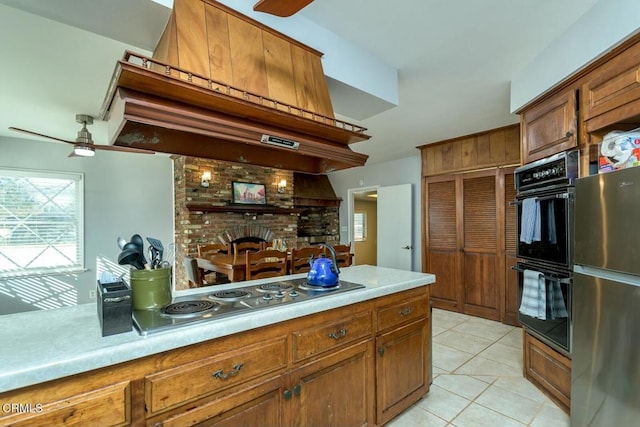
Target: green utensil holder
column 151, row 289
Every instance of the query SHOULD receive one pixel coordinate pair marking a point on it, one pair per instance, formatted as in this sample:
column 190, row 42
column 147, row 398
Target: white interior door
column 394, row 226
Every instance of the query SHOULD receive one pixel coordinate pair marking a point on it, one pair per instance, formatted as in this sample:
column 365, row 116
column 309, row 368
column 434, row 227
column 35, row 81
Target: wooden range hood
column 223, row 86
column 313, row 190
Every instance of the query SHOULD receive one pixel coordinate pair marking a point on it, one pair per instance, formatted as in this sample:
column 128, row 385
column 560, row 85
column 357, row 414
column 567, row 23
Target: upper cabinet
column 549, row 127
column 496, row 147
column 602, row 97
column 611, row 93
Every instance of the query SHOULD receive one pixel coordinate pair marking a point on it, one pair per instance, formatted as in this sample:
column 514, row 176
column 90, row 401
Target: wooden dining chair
column 343, row 255
column 299, row 259
column 208, row 250
column 241, row 247
column 265, row 263
column 194, row 273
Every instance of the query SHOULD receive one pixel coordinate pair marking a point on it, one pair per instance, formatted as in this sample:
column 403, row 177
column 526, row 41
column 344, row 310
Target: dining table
column 232, row 265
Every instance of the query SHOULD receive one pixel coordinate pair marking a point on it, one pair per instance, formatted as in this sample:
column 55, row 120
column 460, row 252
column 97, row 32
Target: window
column 359, row 226
column 41, row 222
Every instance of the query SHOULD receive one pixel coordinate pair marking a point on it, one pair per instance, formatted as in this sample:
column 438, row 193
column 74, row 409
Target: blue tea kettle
column 324, row 271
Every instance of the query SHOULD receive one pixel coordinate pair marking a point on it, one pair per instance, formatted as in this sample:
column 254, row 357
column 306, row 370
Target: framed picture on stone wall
column 246, row 193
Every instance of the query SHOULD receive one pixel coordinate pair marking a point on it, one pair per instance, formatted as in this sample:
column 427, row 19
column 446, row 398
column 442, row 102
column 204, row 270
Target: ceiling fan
column 281, row 8
column 84, row 146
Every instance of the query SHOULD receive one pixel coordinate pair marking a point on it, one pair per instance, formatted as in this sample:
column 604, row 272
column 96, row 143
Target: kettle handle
column 334, row 266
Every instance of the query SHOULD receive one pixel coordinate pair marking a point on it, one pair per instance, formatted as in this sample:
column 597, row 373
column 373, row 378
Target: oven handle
column 537, row 199
column 546, row 276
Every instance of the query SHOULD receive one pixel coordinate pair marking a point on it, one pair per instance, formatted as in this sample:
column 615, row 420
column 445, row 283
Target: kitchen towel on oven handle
column 530, row 229
column 534, row 295
column 557, row 308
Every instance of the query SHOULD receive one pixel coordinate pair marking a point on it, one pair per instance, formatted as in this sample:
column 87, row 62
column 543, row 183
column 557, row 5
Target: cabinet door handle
column 337, row 335
column 406, row 311
column 222, row 376
column 287, row 394
column 569, row 134
column 381, row 351
column 297, row 389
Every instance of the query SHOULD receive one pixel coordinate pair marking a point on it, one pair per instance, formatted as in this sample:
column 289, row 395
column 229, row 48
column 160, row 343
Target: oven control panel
column 560, row 169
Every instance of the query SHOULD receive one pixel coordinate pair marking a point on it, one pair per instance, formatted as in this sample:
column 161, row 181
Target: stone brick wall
column 193, row 228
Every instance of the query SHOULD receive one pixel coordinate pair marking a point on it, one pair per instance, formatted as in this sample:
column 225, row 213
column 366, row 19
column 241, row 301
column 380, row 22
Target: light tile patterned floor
column 477, row 371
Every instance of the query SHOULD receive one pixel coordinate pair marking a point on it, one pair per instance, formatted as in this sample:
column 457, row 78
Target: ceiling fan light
column 83, row 150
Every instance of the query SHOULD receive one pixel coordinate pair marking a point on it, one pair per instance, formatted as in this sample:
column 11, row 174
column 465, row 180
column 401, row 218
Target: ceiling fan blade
column 40, row 135
column 123, row 149
column 97, row 147
column 282, row 8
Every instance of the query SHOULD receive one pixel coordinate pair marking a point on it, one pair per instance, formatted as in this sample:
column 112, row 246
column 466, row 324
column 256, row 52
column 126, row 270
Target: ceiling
column 455, row 59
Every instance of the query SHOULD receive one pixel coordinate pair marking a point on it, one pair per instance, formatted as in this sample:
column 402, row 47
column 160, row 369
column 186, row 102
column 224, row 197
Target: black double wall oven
column 545, row 225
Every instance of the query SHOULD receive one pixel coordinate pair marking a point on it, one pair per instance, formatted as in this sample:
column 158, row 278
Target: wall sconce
column 282, row 185
column 206, row 177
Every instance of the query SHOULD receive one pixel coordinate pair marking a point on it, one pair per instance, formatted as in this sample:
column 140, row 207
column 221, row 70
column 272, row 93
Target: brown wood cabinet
column 402, row 360
column 334, row 390
column 109, row 404
column 509, row 307
column 441, row 241
column 492, row 148
column 464, row 241
column 548, row 369
column 322, row 369
column 610, row 95
column 467, row 187
column 258, row 405
column 550, row 127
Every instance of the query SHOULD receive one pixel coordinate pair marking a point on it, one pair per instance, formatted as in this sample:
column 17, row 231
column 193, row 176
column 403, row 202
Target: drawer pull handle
column 220, row 375
column 287, row 394
column 297, row 389
column 406, row 311
column 117, row 299
column 337, row 335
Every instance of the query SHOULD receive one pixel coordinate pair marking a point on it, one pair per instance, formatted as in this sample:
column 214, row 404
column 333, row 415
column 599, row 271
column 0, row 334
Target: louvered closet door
column 511, row 277
column 441, row 237
column 481, row 273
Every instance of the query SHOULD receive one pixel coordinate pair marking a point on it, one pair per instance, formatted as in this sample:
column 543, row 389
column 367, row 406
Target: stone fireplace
column 206, row 215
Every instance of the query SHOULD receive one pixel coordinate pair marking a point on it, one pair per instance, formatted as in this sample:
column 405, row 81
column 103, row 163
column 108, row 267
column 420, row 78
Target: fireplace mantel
column 249, row 209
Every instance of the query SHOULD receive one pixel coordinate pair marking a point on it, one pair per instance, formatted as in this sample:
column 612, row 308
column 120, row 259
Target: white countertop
column 40, row 346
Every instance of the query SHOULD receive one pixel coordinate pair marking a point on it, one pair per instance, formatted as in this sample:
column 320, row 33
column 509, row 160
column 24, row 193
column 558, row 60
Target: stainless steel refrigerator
column 605, row 372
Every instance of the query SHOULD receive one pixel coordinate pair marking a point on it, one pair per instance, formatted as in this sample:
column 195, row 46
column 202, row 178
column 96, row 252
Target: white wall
column 402, row 171
column 604, row 26
column 124, row 194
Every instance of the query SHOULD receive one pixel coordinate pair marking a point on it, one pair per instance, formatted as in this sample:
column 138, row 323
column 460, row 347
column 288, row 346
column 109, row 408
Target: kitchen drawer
column 173, row 387
column 311, row 341
column 106, row 406
column 405, row 311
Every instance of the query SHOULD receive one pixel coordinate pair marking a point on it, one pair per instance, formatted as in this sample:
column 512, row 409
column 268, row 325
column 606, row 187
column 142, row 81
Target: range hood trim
column 144, row 121
column 166, row 85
